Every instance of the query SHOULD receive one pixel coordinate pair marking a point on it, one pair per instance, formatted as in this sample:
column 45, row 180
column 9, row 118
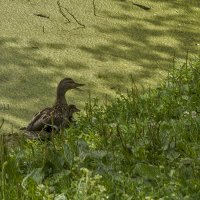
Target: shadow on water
column 148, row 38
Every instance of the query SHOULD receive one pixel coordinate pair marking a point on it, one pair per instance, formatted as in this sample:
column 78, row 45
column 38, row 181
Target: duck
column 59, row 115
column 72, row 109
column 49, row 129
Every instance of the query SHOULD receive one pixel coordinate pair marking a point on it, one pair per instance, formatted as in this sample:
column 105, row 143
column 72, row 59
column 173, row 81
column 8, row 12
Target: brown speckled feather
column 53, row 116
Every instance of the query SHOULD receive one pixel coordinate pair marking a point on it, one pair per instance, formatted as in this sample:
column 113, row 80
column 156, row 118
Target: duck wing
column 49, row 119
column 39, row 120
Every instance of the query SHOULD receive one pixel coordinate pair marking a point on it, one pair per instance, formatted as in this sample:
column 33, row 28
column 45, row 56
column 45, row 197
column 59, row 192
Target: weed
column 144, row 145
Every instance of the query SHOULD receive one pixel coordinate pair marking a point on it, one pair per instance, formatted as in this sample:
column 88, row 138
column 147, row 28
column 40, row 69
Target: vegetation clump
column 141, row 146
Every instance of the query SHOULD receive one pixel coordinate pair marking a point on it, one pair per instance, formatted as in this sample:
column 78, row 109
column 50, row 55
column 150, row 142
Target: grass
column 122, row 40
column 144, row 145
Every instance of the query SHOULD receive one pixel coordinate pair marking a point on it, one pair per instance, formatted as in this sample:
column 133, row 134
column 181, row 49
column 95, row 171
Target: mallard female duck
column 60, row 114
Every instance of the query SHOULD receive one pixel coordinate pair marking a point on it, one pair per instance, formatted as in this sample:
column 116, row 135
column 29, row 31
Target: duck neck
column 60, row 98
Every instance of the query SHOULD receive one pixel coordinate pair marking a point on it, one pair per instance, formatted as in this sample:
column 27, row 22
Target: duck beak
column 77, row 85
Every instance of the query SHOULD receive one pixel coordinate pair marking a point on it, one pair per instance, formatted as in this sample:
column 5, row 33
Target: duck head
column 65, row 85
column 68, row 84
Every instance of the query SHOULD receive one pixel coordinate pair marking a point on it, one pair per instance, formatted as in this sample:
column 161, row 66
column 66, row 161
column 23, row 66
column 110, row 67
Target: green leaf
column 68, row 154
column 146, row 171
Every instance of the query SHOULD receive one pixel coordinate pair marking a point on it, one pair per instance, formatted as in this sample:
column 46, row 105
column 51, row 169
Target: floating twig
column 142, row 6
column 61, row 12
column 73, row 17
column 41, row 15
column 94, row 7
column 2, row 123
